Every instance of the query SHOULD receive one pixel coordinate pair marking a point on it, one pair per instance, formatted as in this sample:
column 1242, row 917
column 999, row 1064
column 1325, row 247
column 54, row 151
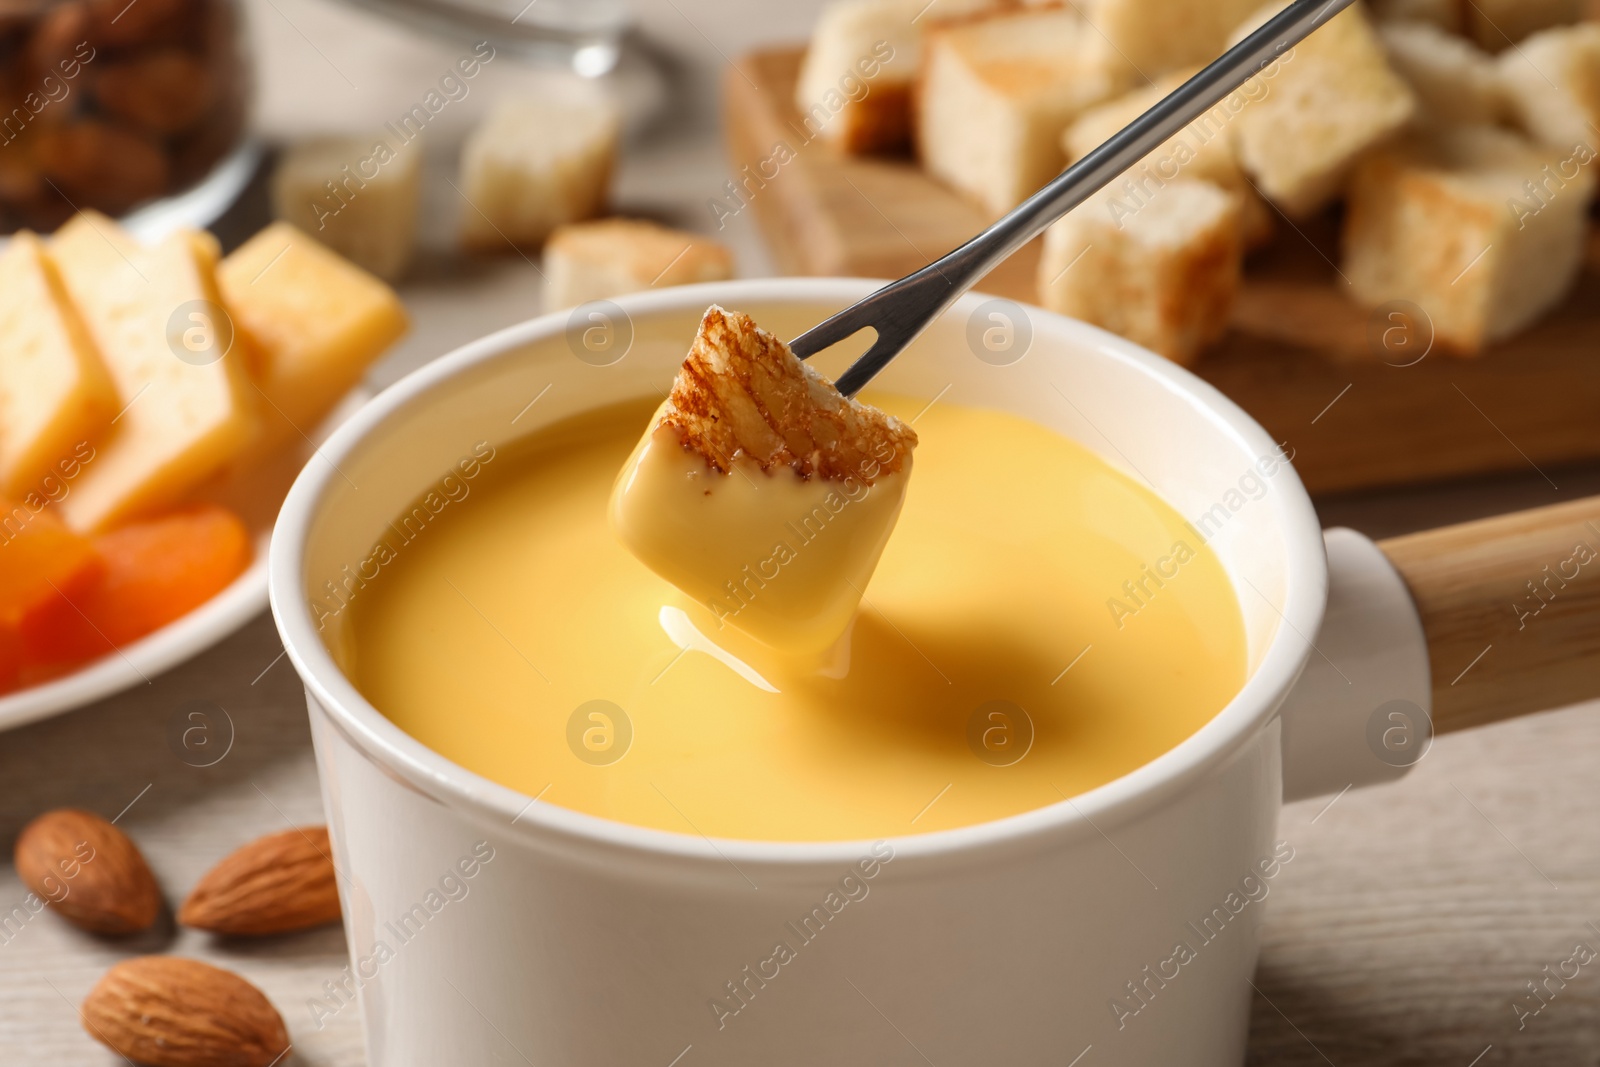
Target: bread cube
column 1445, row 14
column 1317, row 110
column 187, row 408
column 1163, row 274
column 1454, row 80
column 1480, row 228
column 857, row 76
column 595, row 260
column 532, row 165
column 358, row 196
column 855, row 81
column 752, row 456
column 1153, row 37
column 996, row 94
column 1202, row 151
column 1552, row 81
column 1497, row 24
column 313, row 322
column 55, row 395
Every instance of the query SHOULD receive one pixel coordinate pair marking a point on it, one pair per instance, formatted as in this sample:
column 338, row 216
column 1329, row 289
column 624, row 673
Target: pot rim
column 543, row 824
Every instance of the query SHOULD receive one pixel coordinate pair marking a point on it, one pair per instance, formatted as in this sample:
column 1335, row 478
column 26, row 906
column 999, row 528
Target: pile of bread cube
column 1452, row 138
column 535, row 175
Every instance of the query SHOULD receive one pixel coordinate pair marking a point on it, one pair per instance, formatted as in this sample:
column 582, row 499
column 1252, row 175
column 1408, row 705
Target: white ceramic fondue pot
column 486, row 927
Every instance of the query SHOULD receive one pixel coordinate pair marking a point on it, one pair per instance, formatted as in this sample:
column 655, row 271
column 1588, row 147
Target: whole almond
column 89, row 872
column 171, row 1012
column 275, row 884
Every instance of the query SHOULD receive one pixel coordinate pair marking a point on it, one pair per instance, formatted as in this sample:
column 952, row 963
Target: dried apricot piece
column 39, row 557
column 153, row 572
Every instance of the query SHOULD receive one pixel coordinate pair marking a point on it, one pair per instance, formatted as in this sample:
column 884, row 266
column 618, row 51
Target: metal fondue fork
column 901, row 310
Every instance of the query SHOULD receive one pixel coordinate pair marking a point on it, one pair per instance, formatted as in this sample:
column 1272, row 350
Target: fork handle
column 901, row 310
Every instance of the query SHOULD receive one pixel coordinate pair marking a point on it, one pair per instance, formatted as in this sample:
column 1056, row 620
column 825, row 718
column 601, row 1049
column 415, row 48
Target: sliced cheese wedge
column 185, row 403
column 761, row 492
column 56, row 398
column 312, row 321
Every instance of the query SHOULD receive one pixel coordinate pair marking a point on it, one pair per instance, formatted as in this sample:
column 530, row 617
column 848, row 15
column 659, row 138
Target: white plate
column 256, row 500
column 150, row 655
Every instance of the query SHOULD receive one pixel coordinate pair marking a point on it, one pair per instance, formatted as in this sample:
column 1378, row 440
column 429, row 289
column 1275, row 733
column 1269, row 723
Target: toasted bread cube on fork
column 1552, row 81
column 742, row 393
column 1454, row 80
column 1474, row 225
column 532, row 165
column 760, row 491
column 1164, row 275
column 588, row 261
column 995, row 95
column 1320, row 107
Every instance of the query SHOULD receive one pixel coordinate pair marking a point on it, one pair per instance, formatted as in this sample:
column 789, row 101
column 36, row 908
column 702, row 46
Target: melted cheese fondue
column 998, row 662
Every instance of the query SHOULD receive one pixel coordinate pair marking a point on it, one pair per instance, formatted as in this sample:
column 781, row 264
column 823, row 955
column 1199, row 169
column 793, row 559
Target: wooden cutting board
column 1301, row 357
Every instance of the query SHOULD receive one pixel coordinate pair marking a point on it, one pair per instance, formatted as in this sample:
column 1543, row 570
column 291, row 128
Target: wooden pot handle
column 1511, row 610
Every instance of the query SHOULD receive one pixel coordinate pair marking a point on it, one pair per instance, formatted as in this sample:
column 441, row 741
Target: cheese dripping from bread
column 761, row 491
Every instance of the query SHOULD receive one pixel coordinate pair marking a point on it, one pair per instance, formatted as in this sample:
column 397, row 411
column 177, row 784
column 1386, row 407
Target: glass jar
column 114, row 105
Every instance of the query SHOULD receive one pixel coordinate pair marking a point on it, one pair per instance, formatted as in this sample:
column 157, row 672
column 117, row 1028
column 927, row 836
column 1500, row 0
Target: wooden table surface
column 1405, row 931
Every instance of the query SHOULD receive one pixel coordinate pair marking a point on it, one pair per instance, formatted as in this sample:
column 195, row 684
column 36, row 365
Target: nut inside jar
column 108, row 104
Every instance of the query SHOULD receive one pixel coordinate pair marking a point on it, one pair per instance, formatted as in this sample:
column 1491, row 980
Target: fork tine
column 835, row 328
column 898, row 313
column 874, row 359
